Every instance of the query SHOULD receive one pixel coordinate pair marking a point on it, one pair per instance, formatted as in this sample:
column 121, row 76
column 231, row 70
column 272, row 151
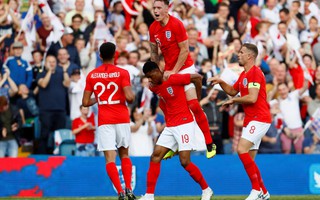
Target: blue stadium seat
column 60, row 136
column 67, row 148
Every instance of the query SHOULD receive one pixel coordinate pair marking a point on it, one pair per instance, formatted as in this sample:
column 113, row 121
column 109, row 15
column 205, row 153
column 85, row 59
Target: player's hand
column 167, row 74
column 214, row 80
column 229, row 102
column 4, row 132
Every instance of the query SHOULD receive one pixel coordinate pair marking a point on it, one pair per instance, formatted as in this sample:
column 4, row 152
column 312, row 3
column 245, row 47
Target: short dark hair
column 37, row 51
column 164, row 1
column 77, row 16
column 307, row 55
column 251, row 47
column 149, row 66
column 107, row 51
column 285, row 10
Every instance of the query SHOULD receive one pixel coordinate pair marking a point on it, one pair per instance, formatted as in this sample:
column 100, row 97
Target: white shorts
column 178, row 137
column 254, row 132
column 189, row 70
column 113, row 136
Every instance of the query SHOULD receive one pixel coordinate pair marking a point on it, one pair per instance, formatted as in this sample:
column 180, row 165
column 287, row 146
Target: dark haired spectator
column 37, row 67
column 66, row 41
column 76, row 26
column 10, row 124
column 8, row 87
column 52, row 101
column 79, row 9
column 64, row 61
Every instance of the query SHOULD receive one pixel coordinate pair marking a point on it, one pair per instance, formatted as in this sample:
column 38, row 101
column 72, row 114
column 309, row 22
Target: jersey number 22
column 103, row 88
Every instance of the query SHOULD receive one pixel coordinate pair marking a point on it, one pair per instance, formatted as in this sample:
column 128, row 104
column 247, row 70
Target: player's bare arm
column 129, row 94
column 87, row 100
column 250, row 98
column 196, row 79
column 225, row 86
column 154, row 53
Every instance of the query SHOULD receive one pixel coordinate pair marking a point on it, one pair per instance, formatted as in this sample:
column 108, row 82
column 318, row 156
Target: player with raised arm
column 169, row 34
column 112, row 88
column 252, row 87
column 179, row 131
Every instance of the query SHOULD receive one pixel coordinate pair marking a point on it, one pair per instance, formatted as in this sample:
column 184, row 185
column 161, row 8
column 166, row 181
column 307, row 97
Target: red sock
column 126, row 167
column 201, row 119
column 114, row 176
column 196, row 174
column 250, row 168
column 264, row 189
column 152, row 177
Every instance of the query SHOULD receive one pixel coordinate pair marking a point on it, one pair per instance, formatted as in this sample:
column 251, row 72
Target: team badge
column 170, row 90
column 245, row 81
column 168, row 34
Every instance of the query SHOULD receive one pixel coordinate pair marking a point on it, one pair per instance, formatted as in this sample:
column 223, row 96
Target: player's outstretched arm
column 225, row 86
column 196, row 79
column 129, row 94
column 87, row 100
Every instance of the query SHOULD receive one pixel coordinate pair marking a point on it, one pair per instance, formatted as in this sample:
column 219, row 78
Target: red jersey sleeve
column 179, row 79
column 236, row 84
column 88, row 84
column 256, row 76
column 180, row 31
column 75, row 124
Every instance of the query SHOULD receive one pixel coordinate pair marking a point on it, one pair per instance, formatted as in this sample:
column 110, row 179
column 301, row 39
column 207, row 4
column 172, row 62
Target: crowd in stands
column 43, row 70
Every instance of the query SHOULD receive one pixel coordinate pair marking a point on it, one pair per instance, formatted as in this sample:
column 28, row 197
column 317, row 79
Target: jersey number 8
column 103, row 88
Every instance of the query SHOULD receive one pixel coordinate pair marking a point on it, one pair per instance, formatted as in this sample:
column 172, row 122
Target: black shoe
column 122, row 196
column 130, row 194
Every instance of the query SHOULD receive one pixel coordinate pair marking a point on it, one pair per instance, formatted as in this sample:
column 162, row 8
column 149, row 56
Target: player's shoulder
column 153, row 26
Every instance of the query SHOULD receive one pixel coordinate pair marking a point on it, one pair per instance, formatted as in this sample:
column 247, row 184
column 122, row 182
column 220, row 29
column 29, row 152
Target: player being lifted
column 169, row 34
column 180, row 129
column 112, row 88
column 252, row 87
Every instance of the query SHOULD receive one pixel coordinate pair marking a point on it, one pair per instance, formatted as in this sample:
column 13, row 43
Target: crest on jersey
column 170, row 90
column 245, row 82
column 133, row 178
column 168, row 34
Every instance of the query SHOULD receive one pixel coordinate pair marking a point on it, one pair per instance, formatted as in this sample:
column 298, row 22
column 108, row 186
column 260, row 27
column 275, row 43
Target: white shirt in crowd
column 141, row 142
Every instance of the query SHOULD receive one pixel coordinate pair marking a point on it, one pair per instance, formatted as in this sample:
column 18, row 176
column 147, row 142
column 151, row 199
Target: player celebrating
column 169, row 34
column 111, row 87
column 252, row 87
column 180, row 126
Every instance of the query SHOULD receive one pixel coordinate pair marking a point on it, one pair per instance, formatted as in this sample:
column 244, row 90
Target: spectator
column 37, row 67
column 311, row 144
column 44, row 30
column 52, row 101
column 64, row 62
column 83, row 128
column 79, row 9
column 116, row 18
column 237, row 129
column 76, row 88
column 271, row 12
column 194, row 45
column 8, row 87
column 10, row 123
column 294, row 24
column 77, row 20
column 21, row 71
column 66, row 41
column 142, row 126
column 315, row 103
column 90, row 28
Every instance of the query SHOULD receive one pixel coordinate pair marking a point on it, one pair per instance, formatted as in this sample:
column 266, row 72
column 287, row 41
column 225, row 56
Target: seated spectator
column 83, row 128
column 311, row 144
column 10, row 123
column 21, row 71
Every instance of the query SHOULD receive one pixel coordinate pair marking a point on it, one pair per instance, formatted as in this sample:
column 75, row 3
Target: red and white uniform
column 107, row 83
column 257, row 115
column 179, row 132
column 168, row 37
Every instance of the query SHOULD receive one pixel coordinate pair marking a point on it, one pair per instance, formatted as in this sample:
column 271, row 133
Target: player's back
column 173, row 95
column 107, row 83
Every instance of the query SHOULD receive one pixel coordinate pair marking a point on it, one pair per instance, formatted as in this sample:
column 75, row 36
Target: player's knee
column 155, row 157
column 241, row 150
column 185, row 163
column 194, row 106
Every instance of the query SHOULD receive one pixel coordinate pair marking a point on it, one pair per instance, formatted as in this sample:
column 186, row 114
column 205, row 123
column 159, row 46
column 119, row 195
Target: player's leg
column 195, row 173
column 126, row 167
column 247, row 150
column 154, row 171
column 107, row 143
column 123, row 137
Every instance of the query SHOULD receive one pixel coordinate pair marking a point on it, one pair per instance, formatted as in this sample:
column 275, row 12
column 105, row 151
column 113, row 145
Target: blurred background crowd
column 48, row 47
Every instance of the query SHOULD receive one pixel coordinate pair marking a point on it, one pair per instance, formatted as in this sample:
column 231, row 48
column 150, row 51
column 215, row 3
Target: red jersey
column 171, row 92
column 297, row 76
column 168, row 37
column 107, row 83
column 258, row 111
column 85, row 136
